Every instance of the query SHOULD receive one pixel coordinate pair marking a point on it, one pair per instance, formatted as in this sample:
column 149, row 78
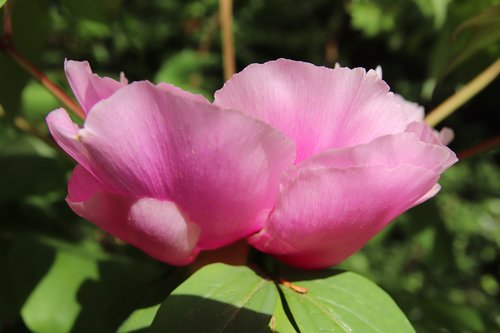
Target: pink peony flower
column 307, row 162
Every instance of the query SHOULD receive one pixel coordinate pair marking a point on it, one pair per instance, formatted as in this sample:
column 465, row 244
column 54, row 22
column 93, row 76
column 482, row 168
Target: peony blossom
column 307, row 162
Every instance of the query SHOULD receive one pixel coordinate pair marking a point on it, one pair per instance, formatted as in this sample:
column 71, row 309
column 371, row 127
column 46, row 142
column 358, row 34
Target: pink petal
column 183, row 93
column 412, row 111
column 325, row 215
column 390, row 150
column 89, row 88
column 318, row 107
column 220, row 167
column 65, row 133
column 446, row 135
column 432, row 192
column 156, row 227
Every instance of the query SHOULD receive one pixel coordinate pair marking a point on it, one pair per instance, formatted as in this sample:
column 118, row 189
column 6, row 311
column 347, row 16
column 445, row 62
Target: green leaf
column 185, row 70
column 37, row 102
column 219, row 298
column 52, row 306
column 123, row 287
column 139, row 319
column 280, row 322
column 484, row 31
column 2, row 2
column 342, row 302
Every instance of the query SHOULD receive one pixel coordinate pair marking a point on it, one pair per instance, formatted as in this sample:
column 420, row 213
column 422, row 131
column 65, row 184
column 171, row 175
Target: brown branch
column 24, row 125
column 480, row 148
column 7, row 46
column 226, row 19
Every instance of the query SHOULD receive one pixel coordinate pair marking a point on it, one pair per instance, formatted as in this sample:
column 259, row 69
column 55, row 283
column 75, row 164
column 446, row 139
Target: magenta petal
column 325, row 215
column 89, row 88
column 318, row 107
column 220, row 167
column 156, row 227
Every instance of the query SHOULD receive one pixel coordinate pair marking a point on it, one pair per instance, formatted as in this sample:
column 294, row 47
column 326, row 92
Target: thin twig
column 24, row 125
column 464, row 94
column 7, row 46
column 480, row 148
column 226, row 19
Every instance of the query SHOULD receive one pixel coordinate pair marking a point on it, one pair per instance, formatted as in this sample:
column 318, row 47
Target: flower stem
column 8, row 48
column 226, row 19
column 464, row 94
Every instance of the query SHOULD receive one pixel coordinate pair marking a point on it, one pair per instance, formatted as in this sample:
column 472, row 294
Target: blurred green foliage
column 440, row 261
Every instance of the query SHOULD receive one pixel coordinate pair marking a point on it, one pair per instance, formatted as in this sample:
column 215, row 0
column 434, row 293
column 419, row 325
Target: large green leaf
column 219, row 298
column 140, row 319
column 280, row 322
column 342, row 302
column 123, row 287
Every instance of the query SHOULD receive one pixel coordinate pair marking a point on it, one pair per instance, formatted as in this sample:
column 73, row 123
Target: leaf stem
column 464, row 94
column 228, row 50
column 7, row 46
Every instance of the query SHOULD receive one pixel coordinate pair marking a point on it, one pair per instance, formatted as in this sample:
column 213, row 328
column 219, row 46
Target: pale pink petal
column 424, row 132
column 446, row 135
column 412, row 111
column 318, row 107
column 89, row 88
column 432, row 192
column 219, row 166
column 183, row 93
column 123, row 79
column 325, row 215
column 156, row 227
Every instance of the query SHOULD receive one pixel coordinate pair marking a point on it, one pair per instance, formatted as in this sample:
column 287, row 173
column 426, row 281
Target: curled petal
column 66, row 134
column 89, row 88
column 325, row 215
column 318, row 107
column 156, row 227
column 391, row 150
